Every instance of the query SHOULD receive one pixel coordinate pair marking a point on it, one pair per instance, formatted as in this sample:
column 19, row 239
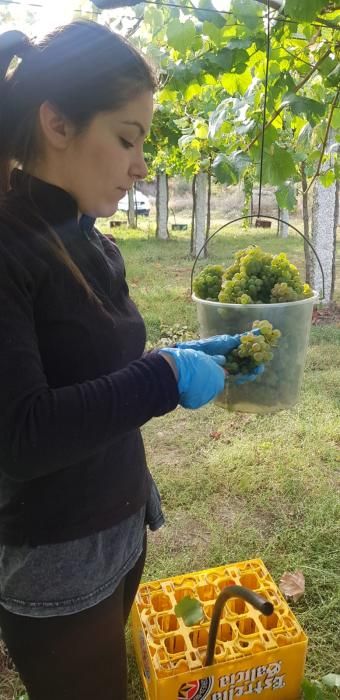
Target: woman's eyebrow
column 138, row 124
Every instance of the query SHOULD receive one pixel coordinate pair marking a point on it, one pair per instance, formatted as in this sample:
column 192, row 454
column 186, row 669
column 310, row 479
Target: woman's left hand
column 223, row 345
column 216, row 345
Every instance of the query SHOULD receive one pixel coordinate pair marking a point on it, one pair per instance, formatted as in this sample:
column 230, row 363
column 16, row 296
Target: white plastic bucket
column 279, row 386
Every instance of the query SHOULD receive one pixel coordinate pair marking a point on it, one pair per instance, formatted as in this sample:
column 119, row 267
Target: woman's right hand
column 200, row 377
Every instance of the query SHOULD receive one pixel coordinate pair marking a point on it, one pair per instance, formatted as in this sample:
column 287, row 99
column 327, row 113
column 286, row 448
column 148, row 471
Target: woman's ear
column 56, row 129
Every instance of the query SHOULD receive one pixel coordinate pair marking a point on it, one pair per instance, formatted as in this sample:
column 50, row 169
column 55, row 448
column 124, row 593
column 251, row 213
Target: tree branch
column 297, row 57
column 132, row 31
column 324, row 143
column 295, row 90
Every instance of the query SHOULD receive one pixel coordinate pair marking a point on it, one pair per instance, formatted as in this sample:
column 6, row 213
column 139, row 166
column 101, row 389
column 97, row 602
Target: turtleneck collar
column 55, row 205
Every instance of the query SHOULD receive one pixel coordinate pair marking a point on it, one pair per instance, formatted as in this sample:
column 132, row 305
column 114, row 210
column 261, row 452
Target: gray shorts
column 65, row 578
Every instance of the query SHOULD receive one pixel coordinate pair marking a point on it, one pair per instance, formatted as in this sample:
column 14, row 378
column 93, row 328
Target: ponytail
column 12, row 44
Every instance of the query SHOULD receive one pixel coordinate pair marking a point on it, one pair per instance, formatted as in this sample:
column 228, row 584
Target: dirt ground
column 330, row 314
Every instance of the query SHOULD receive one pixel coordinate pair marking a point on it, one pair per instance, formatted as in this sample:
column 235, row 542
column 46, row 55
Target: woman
column 75, row 492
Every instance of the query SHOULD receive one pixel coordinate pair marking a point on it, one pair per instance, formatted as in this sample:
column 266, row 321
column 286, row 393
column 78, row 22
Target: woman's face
column 104, row 161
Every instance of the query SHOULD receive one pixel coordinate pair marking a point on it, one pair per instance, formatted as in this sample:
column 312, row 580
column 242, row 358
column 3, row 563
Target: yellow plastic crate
column 255, row 655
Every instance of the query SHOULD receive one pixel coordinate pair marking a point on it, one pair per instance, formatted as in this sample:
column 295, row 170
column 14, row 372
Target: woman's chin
column 113, row 208
column 106, row 211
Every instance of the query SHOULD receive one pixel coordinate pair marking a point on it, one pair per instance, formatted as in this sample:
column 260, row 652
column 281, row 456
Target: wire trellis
column 163, row 3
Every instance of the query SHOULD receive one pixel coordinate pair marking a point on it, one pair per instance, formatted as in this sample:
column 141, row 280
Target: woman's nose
column 138, row 169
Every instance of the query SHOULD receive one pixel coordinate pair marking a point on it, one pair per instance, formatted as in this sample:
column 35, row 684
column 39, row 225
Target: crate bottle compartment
column 254, row 654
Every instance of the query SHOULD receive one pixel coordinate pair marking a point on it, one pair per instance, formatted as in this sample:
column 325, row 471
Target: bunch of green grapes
column 257, row 277
column 282, row 292
column 208, row 283
column 253, row 350
column 248, row 280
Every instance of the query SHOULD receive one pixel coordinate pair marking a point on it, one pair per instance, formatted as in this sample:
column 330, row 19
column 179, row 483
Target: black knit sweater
column 74, row 383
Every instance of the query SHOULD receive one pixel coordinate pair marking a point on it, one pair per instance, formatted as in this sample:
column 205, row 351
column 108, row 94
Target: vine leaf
column 328, row 178
column 190, row 609
column 213, row 17
column 278, row 166
column 336, row 118
column 223, row 171
column 247, row 12
column 181, row 34
column 228, row 169
column 285, row 197
column 299, row 104
column 304, row 10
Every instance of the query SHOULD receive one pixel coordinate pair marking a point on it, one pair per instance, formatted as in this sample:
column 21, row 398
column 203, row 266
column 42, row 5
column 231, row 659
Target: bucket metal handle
column 255, row 216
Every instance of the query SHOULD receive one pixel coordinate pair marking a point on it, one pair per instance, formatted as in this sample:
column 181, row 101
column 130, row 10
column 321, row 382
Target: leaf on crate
column 292, row 585
column 190, row 610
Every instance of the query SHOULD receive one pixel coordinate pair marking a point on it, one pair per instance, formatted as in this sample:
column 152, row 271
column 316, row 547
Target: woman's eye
column 126, row 143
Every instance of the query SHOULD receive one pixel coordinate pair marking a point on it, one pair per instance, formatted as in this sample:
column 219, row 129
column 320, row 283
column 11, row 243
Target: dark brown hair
column 82, row 68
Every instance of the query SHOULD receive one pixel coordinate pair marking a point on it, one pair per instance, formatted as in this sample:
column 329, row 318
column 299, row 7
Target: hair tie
column 14, row 43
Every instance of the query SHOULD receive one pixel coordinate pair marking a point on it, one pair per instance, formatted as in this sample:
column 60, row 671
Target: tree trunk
column 162, row 206
column 193, row 214
column 248, row 202
column 324, row 220
column 323, row 223
column 283, row 227
column 209, row 205
column 308, row 251
column 336, row 222
column 131, row 213
column 201, row 202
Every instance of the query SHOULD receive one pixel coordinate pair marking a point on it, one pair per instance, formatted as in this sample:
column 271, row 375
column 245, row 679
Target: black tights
column 74, row 657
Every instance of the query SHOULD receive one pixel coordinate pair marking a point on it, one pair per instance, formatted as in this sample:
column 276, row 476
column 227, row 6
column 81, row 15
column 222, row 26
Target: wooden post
column 306, row 232
column 131, row 212
column 162, row 206
column 201, row 201
column 283, row 224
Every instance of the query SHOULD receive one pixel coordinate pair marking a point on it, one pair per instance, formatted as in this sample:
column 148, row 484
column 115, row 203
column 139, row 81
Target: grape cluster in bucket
column 255, row 277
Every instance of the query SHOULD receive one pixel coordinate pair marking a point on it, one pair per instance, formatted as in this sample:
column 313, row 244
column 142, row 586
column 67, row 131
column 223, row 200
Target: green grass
column 268, row 487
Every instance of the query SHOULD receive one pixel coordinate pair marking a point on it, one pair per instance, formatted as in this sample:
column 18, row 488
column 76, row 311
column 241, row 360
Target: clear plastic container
column 279, row 386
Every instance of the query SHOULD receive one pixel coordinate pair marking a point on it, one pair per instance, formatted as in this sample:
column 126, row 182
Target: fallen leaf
column 215, row 435
column 292, row 585
column 332, row 680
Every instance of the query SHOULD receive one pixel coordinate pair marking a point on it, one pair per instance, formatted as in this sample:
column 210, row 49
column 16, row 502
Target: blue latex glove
column 223, row 345
column 250, row 377
column 215, row 345
column 200, row 377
